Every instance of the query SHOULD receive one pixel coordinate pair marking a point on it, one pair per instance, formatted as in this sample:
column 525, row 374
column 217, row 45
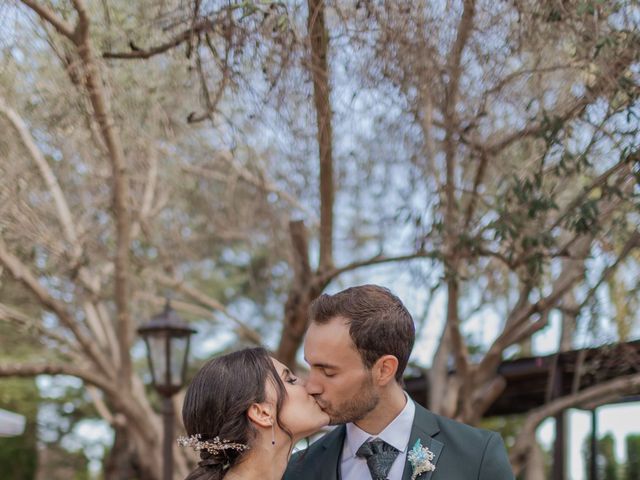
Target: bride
column 243, row 413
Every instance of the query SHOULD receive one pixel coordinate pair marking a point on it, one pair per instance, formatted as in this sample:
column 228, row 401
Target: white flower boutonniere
column 420, row 459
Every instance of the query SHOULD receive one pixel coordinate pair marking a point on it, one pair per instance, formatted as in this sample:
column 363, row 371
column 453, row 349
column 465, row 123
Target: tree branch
column 262, row 182
column 184, row 307
column 573, row 110
column 50, row 180
column 632, row 242
column 327, row 277
column 300, row 253
column 438, row 375
column 530, row 71
column 619, row 387
column 202, row 26
column 98, row 329
column 148, row 195
column 22, row 274
column 32, row 370
column 211, row 104
column 134, row 412
column 13, row 315
column 246, row 331
column 102, row 408
column 62, row 207
column 485, row 397
column 516, row 327
column 59, row 24
column 597, row 183
column 473, row 198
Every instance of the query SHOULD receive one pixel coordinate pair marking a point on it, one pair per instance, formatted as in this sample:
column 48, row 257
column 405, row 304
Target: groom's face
column 338, row 379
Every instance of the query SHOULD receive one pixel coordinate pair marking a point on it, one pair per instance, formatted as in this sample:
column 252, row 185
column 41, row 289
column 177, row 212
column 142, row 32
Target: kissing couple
column 244, row 411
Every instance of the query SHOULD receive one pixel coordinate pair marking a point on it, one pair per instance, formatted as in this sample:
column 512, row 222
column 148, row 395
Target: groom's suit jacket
column 460, row 452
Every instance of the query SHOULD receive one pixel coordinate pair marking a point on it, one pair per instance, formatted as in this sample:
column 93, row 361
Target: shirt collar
column 396, row 434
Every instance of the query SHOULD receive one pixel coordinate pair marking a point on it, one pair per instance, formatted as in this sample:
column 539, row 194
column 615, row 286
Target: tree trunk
column 122, row 460
column 319, row 70
column 305, row 287
column 535, row 468
column 569, row 317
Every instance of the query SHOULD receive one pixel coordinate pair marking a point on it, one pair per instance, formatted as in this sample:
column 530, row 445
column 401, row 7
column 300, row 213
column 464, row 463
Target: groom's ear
column 261, row 414
column 384, row 370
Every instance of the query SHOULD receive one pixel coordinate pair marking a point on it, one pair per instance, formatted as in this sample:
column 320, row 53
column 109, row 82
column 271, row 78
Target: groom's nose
column 313, row 386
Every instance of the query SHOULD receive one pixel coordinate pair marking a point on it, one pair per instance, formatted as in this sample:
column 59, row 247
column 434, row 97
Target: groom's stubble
column 350, row 410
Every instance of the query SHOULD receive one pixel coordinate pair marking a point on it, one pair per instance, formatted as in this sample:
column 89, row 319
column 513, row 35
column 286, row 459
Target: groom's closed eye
column 326, row 370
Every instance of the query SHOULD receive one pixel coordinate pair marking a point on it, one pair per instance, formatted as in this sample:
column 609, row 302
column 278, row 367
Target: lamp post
column 167, row 338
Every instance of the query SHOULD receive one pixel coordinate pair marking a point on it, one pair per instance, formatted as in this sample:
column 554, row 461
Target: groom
column 357, row 346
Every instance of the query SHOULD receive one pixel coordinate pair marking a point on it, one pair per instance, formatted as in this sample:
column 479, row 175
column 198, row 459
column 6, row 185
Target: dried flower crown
column 214, row 446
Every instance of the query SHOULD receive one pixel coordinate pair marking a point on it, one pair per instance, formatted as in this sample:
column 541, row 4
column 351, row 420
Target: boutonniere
column 420, row 459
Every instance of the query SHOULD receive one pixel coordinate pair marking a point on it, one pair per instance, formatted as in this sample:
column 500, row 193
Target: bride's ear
column 261, row 414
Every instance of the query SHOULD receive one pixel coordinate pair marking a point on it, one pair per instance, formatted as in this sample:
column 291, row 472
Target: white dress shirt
column 396, row 434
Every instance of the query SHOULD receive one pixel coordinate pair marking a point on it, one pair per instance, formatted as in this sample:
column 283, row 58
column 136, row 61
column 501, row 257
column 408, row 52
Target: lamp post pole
column 168, row 416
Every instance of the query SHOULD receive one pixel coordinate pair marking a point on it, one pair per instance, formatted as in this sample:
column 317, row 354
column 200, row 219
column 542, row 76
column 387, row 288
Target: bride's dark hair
column 217, row 401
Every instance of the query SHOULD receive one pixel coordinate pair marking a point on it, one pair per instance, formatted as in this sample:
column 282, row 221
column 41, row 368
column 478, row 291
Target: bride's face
column 300, row 413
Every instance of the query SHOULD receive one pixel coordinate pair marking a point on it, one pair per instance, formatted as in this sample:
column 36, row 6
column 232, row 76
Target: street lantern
column 167, row 338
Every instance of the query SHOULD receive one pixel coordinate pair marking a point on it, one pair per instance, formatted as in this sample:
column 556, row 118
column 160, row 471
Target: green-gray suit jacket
column 460, row 452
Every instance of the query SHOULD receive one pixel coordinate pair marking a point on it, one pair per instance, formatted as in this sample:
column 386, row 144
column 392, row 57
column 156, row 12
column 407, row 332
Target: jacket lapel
column 425, row 427
column 332, row 445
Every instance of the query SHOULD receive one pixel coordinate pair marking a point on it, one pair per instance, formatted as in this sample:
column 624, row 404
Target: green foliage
column 606, row 447
column 606, row 462
column 632, row 469
column 508, row 427
column 19, row 455
column 585, row 219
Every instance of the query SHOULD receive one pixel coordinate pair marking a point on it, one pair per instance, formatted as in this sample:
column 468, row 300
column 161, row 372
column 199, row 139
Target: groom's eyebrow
column 321, row 365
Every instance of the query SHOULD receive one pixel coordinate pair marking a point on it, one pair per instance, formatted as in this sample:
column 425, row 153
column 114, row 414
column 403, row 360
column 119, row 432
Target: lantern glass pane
column 178, row 357
column 157, row 349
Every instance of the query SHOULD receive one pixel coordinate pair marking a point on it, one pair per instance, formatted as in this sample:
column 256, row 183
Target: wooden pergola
column 534, row 381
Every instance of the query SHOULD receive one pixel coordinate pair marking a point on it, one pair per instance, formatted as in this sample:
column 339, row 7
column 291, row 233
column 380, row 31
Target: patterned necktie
column 380, row 456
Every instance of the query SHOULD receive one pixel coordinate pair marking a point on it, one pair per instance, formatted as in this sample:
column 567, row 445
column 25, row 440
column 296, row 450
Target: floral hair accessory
column 420, row 459
column 214, row 446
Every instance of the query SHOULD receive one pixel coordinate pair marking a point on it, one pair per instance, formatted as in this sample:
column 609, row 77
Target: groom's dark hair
column 379, row 324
